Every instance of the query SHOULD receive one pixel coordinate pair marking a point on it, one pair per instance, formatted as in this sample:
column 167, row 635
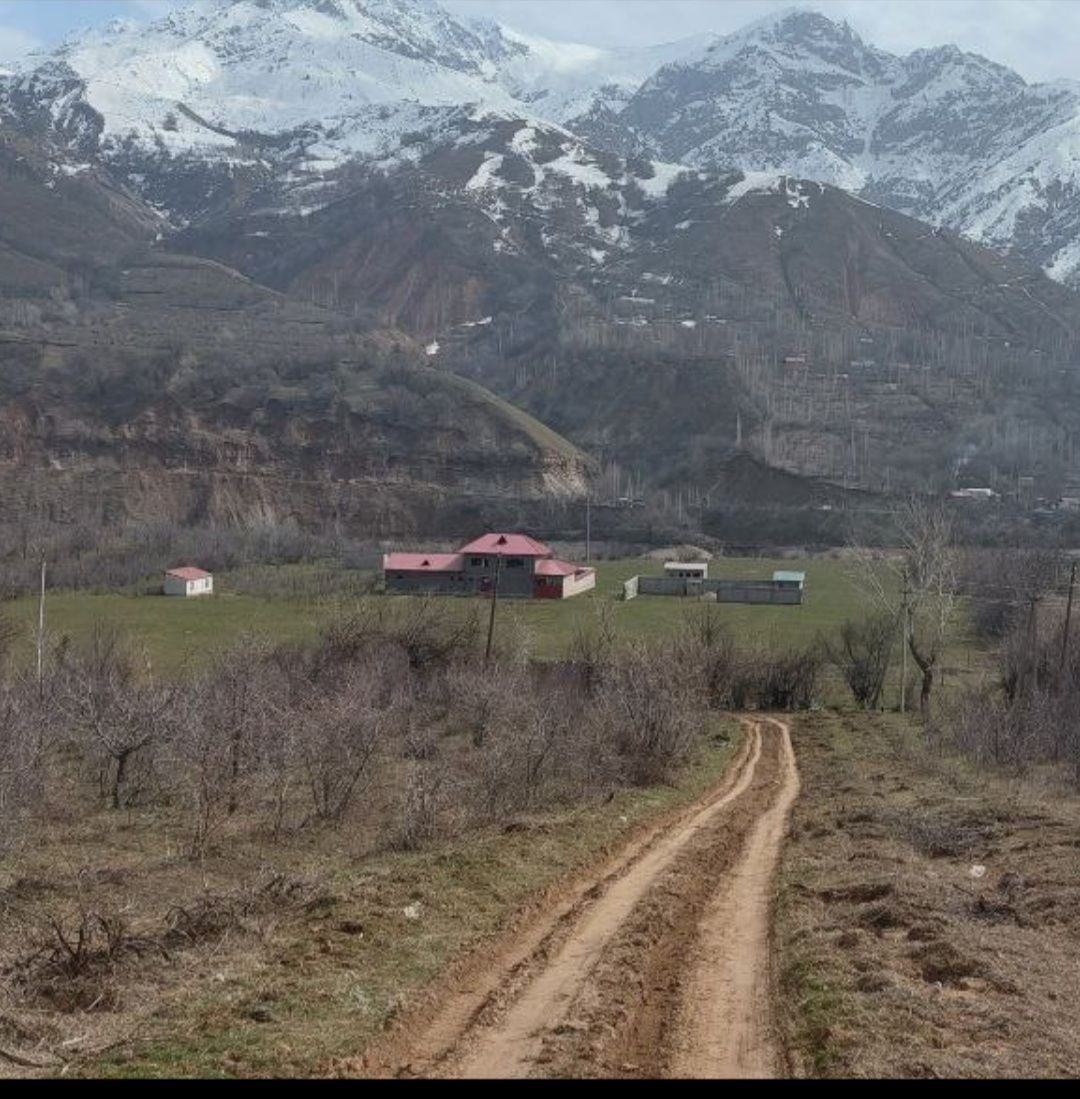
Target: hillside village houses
column 525, row 568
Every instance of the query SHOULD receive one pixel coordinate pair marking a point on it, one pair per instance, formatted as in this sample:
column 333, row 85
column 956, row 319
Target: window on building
column 477, row 562
column 515, row 563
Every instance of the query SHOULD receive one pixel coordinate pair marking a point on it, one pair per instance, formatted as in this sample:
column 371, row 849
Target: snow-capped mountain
column 348, row 76
column 943, row 135
column 232, row 97
column 639, row 247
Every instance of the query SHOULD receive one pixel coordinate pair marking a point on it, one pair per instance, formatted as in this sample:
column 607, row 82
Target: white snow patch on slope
column 755, row 183
column 485, row 175
column 664, row 175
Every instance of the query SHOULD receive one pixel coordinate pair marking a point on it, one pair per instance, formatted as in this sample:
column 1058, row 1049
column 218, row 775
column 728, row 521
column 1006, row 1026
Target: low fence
column 773, row 592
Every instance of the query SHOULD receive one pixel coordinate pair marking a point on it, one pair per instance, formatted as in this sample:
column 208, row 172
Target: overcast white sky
column 1038, row 38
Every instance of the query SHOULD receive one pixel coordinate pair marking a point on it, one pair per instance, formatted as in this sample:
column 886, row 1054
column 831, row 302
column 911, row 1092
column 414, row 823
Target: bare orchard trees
column 1029, row 716
column 341, row 725
column 21, row 745
column 390, row 728
column 103, row 696
column 916, row 586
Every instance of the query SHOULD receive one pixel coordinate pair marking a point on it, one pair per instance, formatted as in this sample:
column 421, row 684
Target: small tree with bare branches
column 917, row 586
column 105, row 691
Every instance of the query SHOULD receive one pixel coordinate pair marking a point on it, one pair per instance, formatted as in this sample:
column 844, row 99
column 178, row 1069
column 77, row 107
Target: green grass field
column 178, row 632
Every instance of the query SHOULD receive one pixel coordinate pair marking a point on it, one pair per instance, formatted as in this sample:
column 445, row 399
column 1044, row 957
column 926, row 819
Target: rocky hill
column 142, row 384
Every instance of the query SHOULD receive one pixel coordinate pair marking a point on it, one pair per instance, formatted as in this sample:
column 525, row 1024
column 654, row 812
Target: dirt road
column 654, row 964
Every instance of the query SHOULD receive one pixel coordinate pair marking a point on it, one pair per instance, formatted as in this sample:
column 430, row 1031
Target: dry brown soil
column 928, row 913
column 655, row 963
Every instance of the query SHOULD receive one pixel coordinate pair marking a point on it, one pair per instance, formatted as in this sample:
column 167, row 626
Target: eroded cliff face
column 369, row 452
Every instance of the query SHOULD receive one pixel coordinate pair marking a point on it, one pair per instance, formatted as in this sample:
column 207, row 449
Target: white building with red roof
column 188, row 581
column 522, row 567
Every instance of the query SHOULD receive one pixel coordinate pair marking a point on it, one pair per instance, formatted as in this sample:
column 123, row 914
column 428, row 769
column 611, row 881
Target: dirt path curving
column 655, row 964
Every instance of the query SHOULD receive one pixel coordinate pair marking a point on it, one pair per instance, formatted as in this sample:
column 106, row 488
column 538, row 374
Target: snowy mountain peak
column 306, row 87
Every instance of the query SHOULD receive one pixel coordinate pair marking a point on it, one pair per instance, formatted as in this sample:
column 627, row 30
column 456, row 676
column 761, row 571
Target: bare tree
column 592, row 644
column 917, row 586
column 341, row 727
column 20, row 762
column 106, row 692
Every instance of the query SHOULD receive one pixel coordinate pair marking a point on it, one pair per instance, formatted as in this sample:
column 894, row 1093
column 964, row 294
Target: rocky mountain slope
column 230, row 93
column 296, row 183
column 944, row 135
column 143, row 384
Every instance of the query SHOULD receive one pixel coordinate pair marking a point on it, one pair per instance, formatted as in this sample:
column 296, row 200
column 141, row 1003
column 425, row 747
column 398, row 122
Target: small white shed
column 188, row 581
column 687, row 570
column 786, row 579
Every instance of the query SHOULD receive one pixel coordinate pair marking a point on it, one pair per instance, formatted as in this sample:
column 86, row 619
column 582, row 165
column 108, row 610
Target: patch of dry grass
column 280, row 958
column 928, row 915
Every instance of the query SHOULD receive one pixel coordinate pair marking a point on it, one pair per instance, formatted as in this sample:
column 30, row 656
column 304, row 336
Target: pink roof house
column 524, row 568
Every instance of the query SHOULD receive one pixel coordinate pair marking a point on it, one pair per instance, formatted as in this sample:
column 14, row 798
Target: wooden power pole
column 903, row 645
column 1068, row 620
column 41, row 638
column 494, row 600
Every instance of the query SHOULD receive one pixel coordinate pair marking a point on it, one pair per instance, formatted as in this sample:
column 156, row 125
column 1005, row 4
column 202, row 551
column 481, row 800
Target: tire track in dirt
column 726, row 1023
column 597, row 982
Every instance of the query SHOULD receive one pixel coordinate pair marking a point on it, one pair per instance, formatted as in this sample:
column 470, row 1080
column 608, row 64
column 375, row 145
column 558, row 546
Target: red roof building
column 507, row 545
column 522, row 567
column 423, row 562
column 187, row 572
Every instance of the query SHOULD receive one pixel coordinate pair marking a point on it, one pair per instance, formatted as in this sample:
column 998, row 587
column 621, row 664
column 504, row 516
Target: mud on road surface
column 654, row 964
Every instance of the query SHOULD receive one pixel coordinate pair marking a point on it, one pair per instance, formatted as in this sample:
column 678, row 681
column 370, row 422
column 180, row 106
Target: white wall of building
column 174, row 585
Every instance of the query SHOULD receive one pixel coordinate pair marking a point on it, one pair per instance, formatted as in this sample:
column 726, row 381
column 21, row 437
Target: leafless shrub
column 532, row 755
column 423, row 800
column 863, row 655
column 789, row 680
column 592, row 644
column 709, row 647
column 648, row 712
column 73, row 966
column 213, row 915
column 341, row 728
column 429, row 636
column 9, row 634
column 222, row 726
column 20, row 763
column 105, row 692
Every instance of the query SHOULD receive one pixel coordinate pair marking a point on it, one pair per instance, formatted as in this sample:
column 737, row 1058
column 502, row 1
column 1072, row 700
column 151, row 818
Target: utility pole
column 1029, row 672
column 494, row 600
column 41, row 638
column 1068, row 619
column 588, row 529
column 903, row 645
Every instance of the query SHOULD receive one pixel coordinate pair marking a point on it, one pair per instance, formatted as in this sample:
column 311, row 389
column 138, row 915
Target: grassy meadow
column 291, row 603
